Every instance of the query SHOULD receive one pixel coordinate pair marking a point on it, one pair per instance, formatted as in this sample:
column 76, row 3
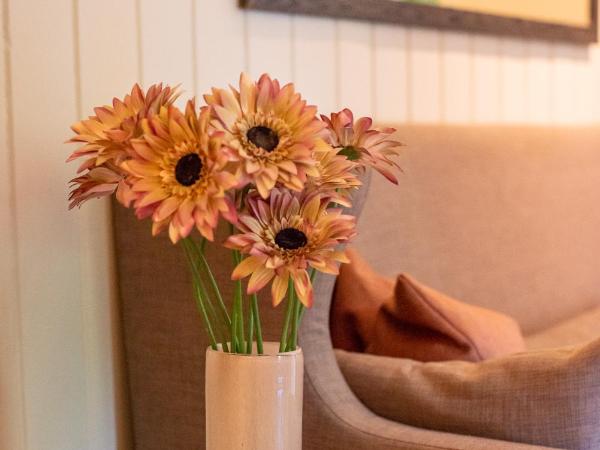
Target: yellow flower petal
column 246, row 267
column 259, row 279
column 279, row 288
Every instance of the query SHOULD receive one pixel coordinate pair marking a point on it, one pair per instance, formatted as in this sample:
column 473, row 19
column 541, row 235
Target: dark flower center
column 263, row 137
column 290, row 239
column 350, row 153
column 187, row 170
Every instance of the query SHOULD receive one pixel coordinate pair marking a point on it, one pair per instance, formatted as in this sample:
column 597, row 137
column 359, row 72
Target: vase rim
column 270, row 348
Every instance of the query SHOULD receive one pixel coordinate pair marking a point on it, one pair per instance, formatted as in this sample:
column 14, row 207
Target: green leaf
column 350, row 152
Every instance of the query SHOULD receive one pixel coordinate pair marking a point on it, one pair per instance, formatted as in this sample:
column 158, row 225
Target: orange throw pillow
column 407, row 319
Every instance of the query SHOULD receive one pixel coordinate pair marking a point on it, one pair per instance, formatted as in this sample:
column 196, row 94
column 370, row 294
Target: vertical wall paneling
column 355, row 67
column 220, row 56
column 424, row 75
column 564, row 78
column 108, row 68
column 167, row 44
column 12, row 424
column 456, row 78
column 538, row 84
column 270, row 45
column 512, row 78
column 584, row 86
column 314, row 55
column 44, row 104
column 390, row 83
column 595, row 86
column 486, row 79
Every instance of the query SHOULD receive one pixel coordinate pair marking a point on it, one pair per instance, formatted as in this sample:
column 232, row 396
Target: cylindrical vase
column 254, row 402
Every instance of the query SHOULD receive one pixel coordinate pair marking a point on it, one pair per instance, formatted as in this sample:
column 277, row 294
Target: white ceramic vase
column 254, row 402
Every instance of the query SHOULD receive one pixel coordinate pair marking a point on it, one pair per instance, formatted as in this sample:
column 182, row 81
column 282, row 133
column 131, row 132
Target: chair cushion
column 581, row 328
column 411, row 320
column 547, row 397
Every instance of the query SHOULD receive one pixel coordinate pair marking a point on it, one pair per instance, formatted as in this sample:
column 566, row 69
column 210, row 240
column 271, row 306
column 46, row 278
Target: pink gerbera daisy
column 284, row 236
column 270, row 130
column 358, row 142
column 179, row 171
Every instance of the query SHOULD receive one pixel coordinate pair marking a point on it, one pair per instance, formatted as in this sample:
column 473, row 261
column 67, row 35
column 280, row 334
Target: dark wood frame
column 432, row 16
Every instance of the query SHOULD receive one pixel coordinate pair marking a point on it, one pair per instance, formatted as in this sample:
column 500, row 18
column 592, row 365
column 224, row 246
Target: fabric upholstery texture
column 411, row 320
column 547, row 397
column 506, row 217
column 576, row 330
column 165, row 342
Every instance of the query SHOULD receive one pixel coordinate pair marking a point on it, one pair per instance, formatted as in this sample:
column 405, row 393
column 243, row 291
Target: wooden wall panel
column 355, row 70
column 586, row 82
column 49, row 246
column 12, row 414
column 457, row 73
column 424, row 76
column 538, row 83
column 595, row 86
column 513, row 67
column 167, row 44
column 564, row 64
column 390, row 73
column 270, row 45
column 314, row 63
column 108, row 67
column 220, row 57
column 487, row 91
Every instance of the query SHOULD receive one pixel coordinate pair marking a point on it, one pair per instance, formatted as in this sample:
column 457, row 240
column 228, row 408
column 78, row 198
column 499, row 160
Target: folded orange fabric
column 407, row 319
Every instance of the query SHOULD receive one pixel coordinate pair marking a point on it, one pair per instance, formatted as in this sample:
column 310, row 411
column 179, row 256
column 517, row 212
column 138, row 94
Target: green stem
column 255, row 313
column 200, row 305
column 221, row 330
column 216, row 323
column 250, row 332
column 192, row 250
column 288, row 316
column 199, row 297
column 233, row 328
column 212, row 280
column 237, row 328
column 294, row 337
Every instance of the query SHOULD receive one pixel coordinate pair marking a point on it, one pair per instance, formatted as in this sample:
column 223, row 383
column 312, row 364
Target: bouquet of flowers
column 257, row 157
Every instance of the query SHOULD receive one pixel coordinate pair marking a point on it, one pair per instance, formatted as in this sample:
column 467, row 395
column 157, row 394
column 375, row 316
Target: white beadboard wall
column 60, row 383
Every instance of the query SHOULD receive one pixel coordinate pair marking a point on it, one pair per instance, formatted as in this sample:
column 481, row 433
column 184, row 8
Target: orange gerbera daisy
column 359, row 143
column 100, row 181
column 284, row 236
column 179, row 171
column 336, row 174
column 106, row 138
column 270, row 129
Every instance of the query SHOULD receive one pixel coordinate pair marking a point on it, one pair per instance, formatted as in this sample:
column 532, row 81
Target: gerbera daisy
column 358, row 142
column 100, row 181
column 284, row 236
column 106, row 138
column 179, row 171
column 270, row 129
column 336, row 173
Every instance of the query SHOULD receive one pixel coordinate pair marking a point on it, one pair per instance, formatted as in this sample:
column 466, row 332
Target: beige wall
column 61, row 57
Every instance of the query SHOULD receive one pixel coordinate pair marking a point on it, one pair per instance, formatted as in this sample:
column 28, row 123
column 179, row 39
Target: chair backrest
column 499, row 216
column 504, row 217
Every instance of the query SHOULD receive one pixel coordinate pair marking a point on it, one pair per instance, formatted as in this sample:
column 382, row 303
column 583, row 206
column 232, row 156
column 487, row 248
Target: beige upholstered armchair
column 499, row 216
